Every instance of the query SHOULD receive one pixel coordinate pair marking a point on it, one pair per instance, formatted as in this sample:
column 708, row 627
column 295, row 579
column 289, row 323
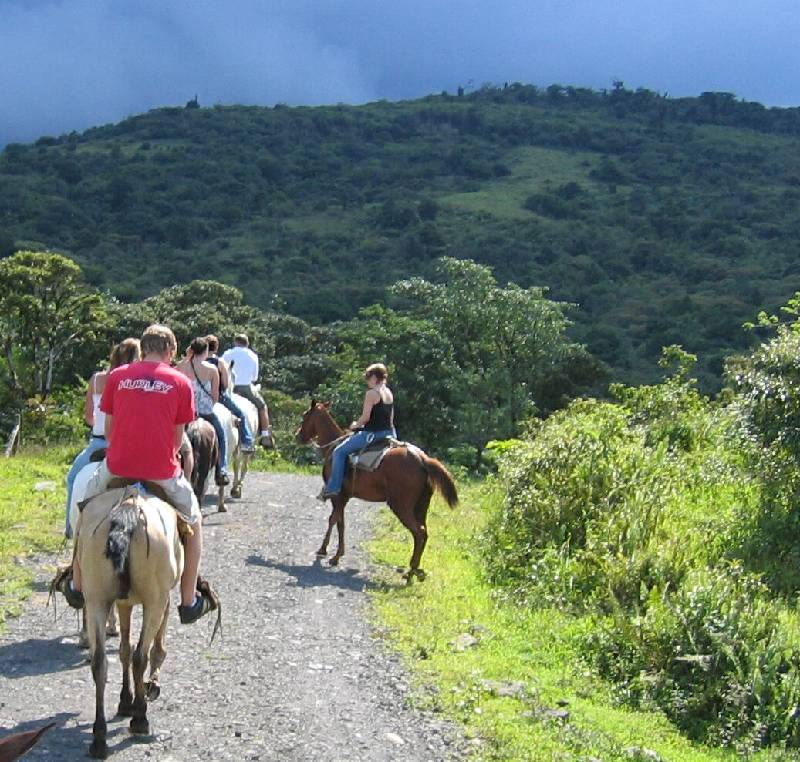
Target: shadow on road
column 39, row 657
column 317, row 574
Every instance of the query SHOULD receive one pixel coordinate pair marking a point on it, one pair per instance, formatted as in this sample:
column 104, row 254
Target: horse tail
column 442, row 480
column 123, row 522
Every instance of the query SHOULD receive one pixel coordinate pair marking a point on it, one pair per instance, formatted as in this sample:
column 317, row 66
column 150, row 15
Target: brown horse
column 204, row 447
column 129, row 553
column 405, row 480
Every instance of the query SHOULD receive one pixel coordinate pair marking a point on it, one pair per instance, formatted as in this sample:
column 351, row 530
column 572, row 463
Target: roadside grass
column 272, row 462
column 532, row 653
column 31, row 520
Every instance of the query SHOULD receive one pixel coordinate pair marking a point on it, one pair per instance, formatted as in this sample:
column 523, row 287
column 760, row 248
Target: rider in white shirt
column 243, row 363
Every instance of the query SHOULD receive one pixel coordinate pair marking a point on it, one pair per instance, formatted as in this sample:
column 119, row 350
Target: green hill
column 665, row 220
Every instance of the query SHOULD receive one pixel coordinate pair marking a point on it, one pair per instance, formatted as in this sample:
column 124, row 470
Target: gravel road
column 298, row 674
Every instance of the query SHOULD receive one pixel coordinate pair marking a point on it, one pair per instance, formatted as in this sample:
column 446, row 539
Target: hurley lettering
column 145, row 385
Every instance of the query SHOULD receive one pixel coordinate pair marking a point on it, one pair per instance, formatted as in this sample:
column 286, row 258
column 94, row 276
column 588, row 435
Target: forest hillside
column 664, row 220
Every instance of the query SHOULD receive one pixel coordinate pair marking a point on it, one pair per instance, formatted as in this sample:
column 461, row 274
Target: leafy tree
column 198, row 309
column 505, row 343
column 420, row 363
column 46, row 311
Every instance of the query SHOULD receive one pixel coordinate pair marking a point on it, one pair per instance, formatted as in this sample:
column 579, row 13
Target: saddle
column 156, row 490
column 370, row 457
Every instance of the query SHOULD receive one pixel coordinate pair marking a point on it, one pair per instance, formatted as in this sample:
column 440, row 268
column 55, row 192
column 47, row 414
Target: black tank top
column 380, row 417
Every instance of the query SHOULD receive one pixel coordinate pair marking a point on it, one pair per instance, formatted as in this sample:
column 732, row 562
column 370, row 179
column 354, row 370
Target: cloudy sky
column 71, row 64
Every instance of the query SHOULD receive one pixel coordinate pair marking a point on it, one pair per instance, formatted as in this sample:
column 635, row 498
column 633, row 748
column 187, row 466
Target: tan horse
column 405, row 480
column 129, row 553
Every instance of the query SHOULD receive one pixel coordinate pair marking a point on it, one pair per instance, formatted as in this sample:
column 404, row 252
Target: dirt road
column 297, row 676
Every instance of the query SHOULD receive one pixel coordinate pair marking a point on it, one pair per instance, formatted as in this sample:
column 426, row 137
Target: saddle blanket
column 371, row 457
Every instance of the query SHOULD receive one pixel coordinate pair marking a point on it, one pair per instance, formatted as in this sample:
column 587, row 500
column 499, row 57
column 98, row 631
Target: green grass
column 532, row 170
column 31, row 520
column 535, row 647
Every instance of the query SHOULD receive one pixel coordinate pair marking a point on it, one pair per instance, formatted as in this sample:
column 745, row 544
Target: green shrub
column 712, row 655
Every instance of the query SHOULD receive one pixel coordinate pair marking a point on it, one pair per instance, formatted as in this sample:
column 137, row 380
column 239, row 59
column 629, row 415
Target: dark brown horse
column 204, row 447
column 405, row 480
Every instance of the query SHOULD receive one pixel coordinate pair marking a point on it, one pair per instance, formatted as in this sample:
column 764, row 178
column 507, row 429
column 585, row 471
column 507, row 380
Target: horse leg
column 221, row 500
column 323, row 549
column 96, row 615
column 338, row 515
column 408, row 517
column 111, row 622
column 125, row 706
column 157, row 655
column 151, row 622
column 242, row 466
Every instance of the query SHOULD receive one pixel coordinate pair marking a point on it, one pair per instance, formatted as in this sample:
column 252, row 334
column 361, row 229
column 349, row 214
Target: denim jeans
column 353, row 443
column 83, row 458
column 223, row 445
column 244, row 427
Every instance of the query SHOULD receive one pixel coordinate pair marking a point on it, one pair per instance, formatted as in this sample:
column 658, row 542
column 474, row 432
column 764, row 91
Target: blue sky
column 72, row 64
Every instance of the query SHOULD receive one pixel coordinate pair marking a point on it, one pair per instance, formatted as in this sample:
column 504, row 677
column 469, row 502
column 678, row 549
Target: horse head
column 313, row 422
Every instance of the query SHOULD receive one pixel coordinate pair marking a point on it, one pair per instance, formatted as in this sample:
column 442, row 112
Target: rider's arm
column 88, row 405
column 224, row 374
column 179, row 427
column 108, row 427
column 370, row 399
column 214, row 384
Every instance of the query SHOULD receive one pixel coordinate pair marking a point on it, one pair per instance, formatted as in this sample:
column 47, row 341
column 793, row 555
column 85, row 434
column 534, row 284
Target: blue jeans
column 83, row 459
column 223, row 445
column 244, row 427
column 353, row 443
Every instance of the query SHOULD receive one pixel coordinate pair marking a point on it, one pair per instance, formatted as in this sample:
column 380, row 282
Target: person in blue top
column 376, row 422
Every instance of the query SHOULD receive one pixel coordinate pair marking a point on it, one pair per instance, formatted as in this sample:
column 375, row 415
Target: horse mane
column 123, row 520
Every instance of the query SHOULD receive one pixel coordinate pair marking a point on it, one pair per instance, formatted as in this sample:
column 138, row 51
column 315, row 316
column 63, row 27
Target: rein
column 331, row 445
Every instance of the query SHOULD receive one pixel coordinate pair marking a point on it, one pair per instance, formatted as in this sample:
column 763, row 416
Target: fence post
column 12, row 446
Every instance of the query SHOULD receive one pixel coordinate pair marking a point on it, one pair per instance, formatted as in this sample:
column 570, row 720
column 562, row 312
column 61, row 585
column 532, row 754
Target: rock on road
column 296, row 676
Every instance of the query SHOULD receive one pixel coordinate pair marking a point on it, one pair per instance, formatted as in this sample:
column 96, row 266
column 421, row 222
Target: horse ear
column 313, row 403
column 326, row 405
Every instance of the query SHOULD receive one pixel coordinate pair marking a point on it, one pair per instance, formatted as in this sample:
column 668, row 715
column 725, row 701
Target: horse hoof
column 222, row 509
column 140, row 726
column 322, row 553
column 236, row 492
column 98, row 750
column 124, row 710
column 152, row 690
column 112, row 632
column 413, row 574
column 334, row 561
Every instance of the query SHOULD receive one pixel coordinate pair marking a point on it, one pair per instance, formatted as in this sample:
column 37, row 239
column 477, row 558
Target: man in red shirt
column 147, row 406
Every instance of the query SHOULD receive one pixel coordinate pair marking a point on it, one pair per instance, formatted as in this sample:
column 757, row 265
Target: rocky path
column 297, row 676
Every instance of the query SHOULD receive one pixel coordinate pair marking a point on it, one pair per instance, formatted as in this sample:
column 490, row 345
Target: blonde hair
column 158, row 339
column 124, row 353
column 377, row 369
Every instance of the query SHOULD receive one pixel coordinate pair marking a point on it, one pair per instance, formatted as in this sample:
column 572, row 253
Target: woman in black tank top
column 376, row 422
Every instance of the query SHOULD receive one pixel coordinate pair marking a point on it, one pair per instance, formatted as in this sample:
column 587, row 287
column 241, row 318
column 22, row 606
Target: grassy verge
column 31, row 518
column 557, row 709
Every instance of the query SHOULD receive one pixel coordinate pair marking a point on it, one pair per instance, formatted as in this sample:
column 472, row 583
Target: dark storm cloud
column 71, row 64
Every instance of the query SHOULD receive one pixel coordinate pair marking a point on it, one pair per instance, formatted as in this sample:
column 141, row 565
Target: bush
column 712, row 656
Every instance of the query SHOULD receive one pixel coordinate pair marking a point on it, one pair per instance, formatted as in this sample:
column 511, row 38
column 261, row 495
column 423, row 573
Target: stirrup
column 61, row 584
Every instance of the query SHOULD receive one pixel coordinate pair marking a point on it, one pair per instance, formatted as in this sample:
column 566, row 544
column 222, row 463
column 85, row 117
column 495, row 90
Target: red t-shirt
column 147, row 400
